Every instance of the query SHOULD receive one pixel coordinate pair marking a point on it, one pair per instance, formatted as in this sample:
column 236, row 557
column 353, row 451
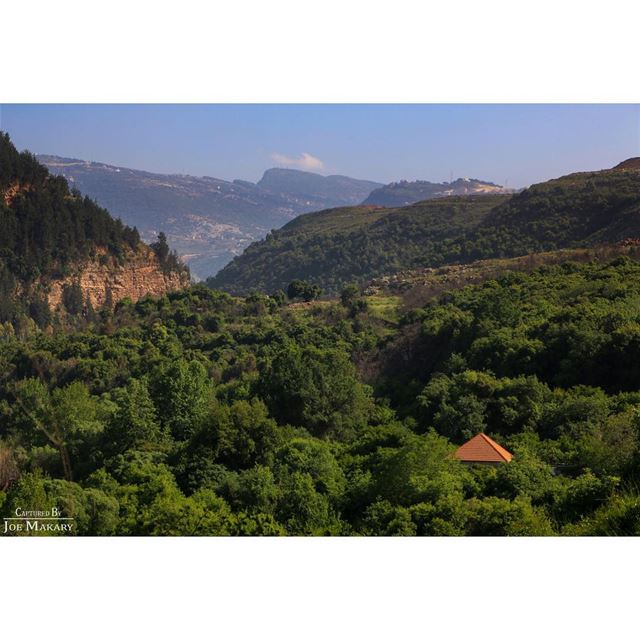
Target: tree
column 384, row 519
column 181, row 391
column 254, row 491
column 304, row 510
column 94, row 513
column 303, row 289
column 151, row 503
column 239, row 435
column 66, row 417
column 583, row 495
column 73, row 298
column 307, row 455
column 311, row 292
column 135, row 422
column 613, row 446
column 618, row 517
column 499, row 517
column 296, row 289
column 421, row 470
column 316, row 389
column 279, row 298
column 40, row 312
column 351, row 299
column 161, row 248
column 349, row 295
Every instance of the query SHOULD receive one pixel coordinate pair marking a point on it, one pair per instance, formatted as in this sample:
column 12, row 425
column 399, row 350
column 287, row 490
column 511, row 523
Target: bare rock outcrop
column 105, row 280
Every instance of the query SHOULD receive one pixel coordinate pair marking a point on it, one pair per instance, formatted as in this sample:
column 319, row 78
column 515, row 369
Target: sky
column 516, row 145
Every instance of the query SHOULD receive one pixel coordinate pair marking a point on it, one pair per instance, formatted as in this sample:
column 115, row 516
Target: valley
column 330, row 389
column 207, row 221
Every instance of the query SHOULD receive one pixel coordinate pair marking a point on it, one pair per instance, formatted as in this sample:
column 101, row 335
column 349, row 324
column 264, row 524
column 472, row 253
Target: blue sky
column 518, row 144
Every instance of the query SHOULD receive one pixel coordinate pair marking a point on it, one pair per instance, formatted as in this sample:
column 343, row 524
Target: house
column 481, row 449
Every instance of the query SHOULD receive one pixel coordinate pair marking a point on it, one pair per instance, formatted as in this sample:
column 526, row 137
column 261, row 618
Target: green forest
column 200, row 413
column 45, row 225
column 336, row 247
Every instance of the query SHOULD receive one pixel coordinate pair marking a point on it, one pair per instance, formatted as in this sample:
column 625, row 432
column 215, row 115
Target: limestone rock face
column 103, row 279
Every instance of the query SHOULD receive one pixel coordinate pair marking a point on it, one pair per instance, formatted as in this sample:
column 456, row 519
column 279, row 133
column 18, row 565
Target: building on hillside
column 481, row 449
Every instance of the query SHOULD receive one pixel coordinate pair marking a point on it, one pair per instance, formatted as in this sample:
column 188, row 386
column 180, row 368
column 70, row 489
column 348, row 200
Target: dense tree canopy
column 203, row 414
column 45, row 226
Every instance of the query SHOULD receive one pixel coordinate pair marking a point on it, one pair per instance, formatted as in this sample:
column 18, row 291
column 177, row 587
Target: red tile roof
column 482, row 448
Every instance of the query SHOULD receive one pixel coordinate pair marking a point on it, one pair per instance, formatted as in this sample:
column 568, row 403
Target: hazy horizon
column 514, row 145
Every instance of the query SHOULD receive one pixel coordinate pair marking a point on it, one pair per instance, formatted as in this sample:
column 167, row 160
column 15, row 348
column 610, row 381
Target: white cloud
column 305, row 161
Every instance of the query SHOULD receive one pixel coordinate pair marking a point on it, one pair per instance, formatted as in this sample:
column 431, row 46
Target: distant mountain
column 331, row 191
column 400, row 194
column 206, row 220
column 331, row 248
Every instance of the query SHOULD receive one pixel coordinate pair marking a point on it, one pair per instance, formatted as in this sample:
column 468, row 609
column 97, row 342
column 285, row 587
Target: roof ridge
column 499, row 449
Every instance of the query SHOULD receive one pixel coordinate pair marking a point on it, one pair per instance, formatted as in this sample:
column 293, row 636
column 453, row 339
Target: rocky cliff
column 59, row 250
column 105, row 280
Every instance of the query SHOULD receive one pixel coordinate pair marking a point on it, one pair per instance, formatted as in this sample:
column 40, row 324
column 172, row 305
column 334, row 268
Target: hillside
column 580, row 209
column 59, row 249
column 207, row 220
column 399, row 194
column 631, row 163
column 411, row 288
column 331, row 248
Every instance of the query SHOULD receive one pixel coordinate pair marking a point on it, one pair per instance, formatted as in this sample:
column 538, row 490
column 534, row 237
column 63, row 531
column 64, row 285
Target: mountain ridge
column 403, row 193
column 333, row 248
column 294, row 181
